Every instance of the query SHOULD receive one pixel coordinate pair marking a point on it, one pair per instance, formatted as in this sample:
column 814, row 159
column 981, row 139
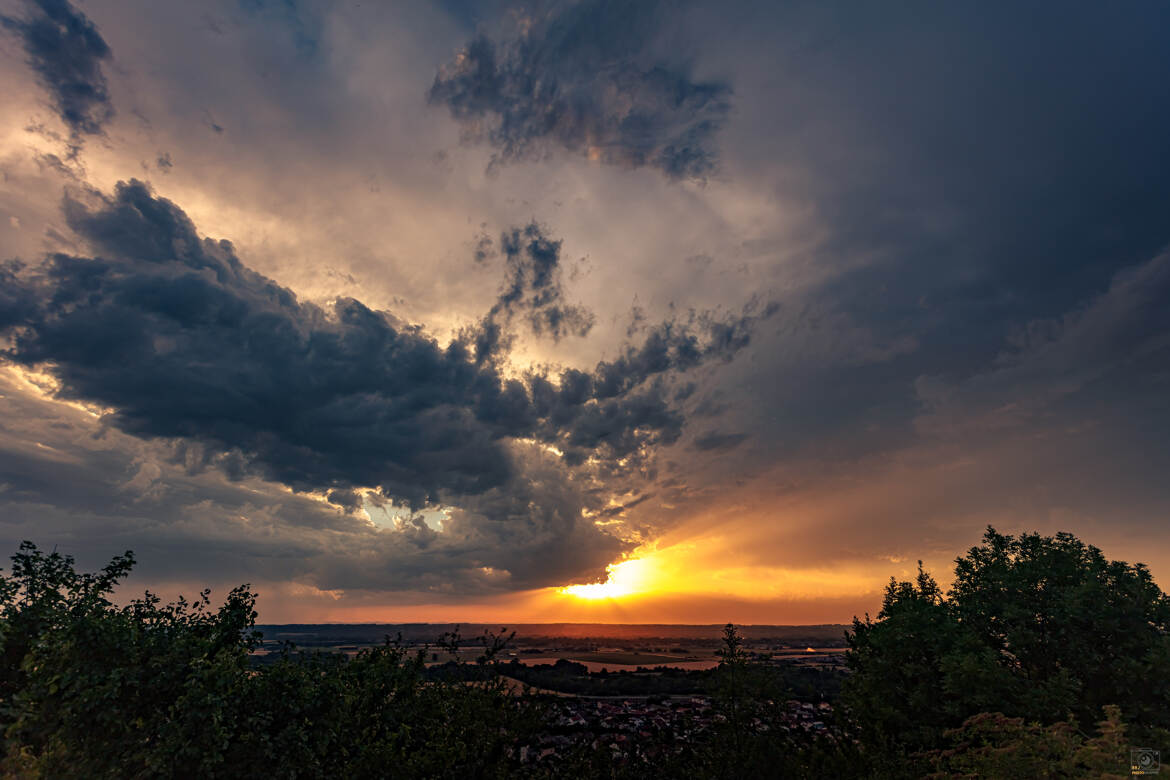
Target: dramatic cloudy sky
column 427, row 311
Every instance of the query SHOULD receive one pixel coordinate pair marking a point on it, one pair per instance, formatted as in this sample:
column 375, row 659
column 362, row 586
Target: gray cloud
column 900, row 134
column 626, row 406
column 185, row 345
column 15, row 305
column 532, row 289
column 66, row 51
column 679, row 344
column 1120, row 338
column 718, row 441
column 67, row 479
column 184, row 341
column 582, row 76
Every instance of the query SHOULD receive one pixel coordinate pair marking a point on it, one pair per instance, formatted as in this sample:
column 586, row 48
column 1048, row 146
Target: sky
column 668, row 312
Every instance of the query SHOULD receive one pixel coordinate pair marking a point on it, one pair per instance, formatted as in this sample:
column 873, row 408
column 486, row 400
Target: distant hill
column 825, row 635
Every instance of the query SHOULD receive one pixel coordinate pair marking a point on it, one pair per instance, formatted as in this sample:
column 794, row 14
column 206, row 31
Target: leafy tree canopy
column 91, row 689
column 1034, row 627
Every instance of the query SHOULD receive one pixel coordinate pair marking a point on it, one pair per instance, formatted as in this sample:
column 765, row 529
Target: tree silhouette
column 1034, row 627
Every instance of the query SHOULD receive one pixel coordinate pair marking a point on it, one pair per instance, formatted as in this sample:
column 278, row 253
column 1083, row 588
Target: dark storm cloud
column 534, row 284
column 585, row 76
column 623, row 426
column 717, row 441
column 971, row 174
column 1098, row 358
column 679, row 344
column 67, row 479
column 619, row 509
column 544, row 540
column 67, row 51
column 626, row 405
column 622, row 407
column 294, row 17
column 15, row 306
column 183, row 342
column 532, row 289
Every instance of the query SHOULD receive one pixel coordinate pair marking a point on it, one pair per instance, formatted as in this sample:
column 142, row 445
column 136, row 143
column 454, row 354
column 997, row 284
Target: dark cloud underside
column 66, row 51
column 532, row 289
column 581, row 77
column 182, row 341
column 717, row 441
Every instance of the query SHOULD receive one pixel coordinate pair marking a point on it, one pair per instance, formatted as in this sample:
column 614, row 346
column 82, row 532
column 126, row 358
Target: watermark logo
column 1144, row 761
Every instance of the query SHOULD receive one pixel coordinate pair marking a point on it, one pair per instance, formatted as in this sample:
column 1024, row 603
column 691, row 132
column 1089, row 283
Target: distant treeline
column 797, row 682
column 1044, row 659
column 322, row 634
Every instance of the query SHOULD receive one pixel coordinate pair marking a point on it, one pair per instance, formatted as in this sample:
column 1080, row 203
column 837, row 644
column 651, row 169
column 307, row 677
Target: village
column 644, row 729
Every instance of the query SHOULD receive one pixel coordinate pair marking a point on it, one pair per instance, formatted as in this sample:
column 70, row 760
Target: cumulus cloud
column 182, row 340
column 66, row 51
column 627, row 405
column 583, row 77
column 179, row 342
column 532, row 289
column 681, row 343
column 67, row 478
column 15, row 306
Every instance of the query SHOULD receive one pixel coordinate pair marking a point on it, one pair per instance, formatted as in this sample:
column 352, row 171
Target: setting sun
column 624, row 579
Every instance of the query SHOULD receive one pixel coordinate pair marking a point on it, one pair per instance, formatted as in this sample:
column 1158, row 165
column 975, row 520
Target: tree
column 1034, row 627
column 901, row 691
column 1075, row 630
column 42, row 595
column 91, row 689
column 730, row 684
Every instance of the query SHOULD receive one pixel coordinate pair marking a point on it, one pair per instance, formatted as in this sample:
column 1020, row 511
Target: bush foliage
column 94, row 690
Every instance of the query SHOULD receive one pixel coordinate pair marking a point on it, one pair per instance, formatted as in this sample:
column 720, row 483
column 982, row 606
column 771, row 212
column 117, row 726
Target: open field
column 613, row 666
column 597, row 647
column 627, row 658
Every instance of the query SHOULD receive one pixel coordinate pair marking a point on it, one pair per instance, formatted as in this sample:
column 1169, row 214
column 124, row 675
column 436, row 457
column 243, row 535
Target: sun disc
column 622, row 579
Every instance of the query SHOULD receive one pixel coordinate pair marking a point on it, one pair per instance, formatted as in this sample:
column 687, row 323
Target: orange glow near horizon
column 624, row 579
column 688, row 582
column 707, row 568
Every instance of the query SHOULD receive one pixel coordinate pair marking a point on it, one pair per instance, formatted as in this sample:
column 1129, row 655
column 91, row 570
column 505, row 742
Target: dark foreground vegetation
column 1043, row 660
